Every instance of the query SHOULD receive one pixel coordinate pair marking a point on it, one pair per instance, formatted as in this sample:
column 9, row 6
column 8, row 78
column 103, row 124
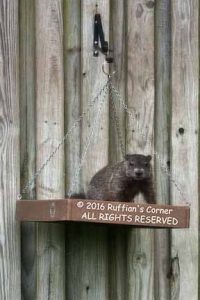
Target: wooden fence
column 48, row 75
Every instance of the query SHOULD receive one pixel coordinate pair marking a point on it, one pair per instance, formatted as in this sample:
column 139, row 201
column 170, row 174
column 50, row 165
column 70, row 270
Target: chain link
column 30, row 184
column 116, row 120
column 91, row 137
column 112, row 91
column 156, row 154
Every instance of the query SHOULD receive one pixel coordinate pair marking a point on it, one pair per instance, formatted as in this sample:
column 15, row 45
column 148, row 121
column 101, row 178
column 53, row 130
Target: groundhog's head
column 138, row 166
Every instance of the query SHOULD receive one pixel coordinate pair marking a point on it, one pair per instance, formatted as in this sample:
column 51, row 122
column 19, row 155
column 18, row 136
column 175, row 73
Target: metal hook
column 106, row 73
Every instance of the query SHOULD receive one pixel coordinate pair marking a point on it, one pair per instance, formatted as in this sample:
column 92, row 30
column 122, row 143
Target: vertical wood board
column 139, row 135
column 50, row 129
column 162, row 140
column 184, row 145
column 93, row 278
column 72, row 71
column 117, row 236
column 93, row 79
column 140, row 72
column 118, row 45
column 9, row 152
column 27, row 140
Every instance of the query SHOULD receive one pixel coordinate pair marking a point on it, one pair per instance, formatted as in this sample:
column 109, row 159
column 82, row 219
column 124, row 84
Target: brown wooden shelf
column 150, row 215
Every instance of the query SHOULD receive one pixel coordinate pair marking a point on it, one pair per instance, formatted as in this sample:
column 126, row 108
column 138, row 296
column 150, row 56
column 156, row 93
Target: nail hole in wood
column 181, row 130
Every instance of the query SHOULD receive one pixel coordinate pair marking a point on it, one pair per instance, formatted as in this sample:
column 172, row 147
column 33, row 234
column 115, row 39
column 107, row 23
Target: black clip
column 99, row 35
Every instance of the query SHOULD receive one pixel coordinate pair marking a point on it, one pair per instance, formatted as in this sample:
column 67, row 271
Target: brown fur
column 124, row 180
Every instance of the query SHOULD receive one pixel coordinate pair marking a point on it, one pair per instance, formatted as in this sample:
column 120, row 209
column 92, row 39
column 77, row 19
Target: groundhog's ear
column 149, row 157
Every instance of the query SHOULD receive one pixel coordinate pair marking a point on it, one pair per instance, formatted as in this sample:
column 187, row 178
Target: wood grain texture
column 72, row 64
column 88, row 268
column 184, row 145
column 117, row 236
column 27, row 140
column 140, row 135
column 50, row 130
column 162, row 140
column 140, row 64
column 9, row 152
column 72, row 71
column 118, row 44
column 100, row 264
column 90, row 247
column 96, row 211
column 93, row 80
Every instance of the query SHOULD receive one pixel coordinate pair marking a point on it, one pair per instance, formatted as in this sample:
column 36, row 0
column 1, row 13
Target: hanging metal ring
column 106, row 73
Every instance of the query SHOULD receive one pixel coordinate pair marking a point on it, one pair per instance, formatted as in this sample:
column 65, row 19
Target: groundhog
column 124, row 180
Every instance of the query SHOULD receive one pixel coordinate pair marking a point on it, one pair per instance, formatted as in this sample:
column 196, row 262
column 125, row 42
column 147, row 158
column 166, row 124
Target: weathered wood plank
column 9, row 152
column 118, row 43
column 117, row 238
column 92, row 80
column 184, row 144
column 91, row 279
column 72, row 61
column 72, row 71
column 140, row 93
column 162, row 122
column 50, row 129
column 27, row 140
column 97, row 211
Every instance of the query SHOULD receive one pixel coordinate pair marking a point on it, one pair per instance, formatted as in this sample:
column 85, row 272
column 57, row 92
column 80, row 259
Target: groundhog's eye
column 146, row 164
column 131, row 163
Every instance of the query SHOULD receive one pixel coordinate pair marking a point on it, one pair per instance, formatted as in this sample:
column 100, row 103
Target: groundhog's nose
column 139, row 172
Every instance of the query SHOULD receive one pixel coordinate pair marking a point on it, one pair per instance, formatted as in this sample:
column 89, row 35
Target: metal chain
column 116, row 120
column 91, row 137
column 156, row 154
column 112, row 91
column 29, row 184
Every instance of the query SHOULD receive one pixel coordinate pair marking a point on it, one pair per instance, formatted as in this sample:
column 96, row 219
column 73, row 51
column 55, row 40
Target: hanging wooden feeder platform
column 125, row 213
